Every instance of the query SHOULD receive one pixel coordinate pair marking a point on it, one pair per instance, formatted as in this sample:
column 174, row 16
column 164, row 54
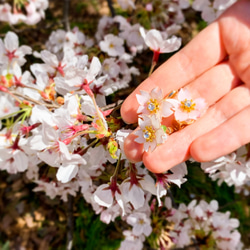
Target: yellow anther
column 149, row 133
column 153, row 106
column 187, row 105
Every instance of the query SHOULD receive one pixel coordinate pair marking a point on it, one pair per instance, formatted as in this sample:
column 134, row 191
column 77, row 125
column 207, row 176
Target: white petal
column 136, row 196
column 184, row 94
column 167, row 109
column 66, row 173
column 171, row 45
column 156, row 93
column 11, row 41
column 142, row 99
column 153, row 39
column 94, row 69
column 49, row 58
column 103, row 196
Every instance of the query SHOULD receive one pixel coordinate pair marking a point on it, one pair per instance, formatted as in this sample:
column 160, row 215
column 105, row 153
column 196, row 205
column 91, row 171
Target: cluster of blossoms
column 57, row 127
column 210, row 10
column 233, row 169
column 153, row 107
column 204, row 225
column 23, row 11
column 171, row 11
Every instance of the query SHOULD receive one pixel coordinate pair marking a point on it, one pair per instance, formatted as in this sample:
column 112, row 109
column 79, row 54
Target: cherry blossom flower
column 125, row 4
column 7, row 105
column 10, row 52
column 52, row 65
column 234, row 168
column 211, row 10
column 13, row 156
column 133, row 193
column 132, row 241
column 107, row 194
column 112, row 45
column 141, row 224
column 154, row 103
column 5, row 12
column 159, row 43
column 111, row 67
column 34, row 11
column 131, row 34
column 121, row 134
column 188, row 109
column 56, row 41
column 150, row 132
column 165, row 179
column 204, row 217
column 13, row 161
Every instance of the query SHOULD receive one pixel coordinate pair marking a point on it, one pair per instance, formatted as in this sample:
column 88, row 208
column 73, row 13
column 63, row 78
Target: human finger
column 177, row 147
column 235, row 33
column 224, row 139
column 212, row 85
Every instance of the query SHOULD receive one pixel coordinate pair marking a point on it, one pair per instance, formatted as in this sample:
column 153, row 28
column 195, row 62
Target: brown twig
column 27, row 98
column 111, row 8
column 70, row 223
column 66, row 15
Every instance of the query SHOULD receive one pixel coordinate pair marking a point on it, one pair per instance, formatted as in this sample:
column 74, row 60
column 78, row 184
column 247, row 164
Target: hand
column 215, row 65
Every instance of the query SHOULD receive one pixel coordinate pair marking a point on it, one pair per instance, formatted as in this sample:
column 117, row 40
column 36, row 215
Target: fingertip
column 132, row 149
column 129, row 110
column 199, row 150
column 166, row 156
column 153, row 163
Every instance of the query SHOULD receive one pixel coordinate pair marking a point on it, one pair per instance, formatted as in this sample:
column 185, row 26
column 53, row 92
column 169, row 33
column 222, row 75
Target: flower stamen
column 187, row 105
column 153, row 106
column 149, row 133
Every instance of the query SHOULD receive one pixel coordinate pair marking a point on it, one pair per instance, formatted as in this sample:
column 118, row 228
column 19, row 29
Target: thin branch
column 66, row 15
column 27, row 98
column 111, row 8
column 70, row 223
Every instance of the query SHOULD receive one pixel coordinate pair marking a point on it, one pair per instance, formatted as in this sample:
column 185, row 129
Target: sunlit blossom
column 154, row 103
column 150, row 132
column 188, row 108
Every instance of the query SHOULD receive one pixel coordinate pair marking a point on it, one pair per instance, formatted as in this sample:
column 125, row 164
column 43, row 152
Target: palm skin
column 215, row 65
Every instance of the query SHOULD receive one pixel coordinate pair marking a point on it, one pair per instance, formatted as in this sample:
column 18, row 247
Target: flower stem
column 152, row 68
column 117, row 168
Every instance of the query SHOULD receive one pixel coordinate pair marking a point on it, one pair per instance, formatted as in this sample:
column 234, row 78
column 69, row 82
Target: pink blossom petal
column 140, row 138
column 143, row 98
column 142, row 110
column 184, row 94
column 167, row 108
column 200, row 103
column 181, row 116
column 156, row 93
column 146, row 146
column 194, row 114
